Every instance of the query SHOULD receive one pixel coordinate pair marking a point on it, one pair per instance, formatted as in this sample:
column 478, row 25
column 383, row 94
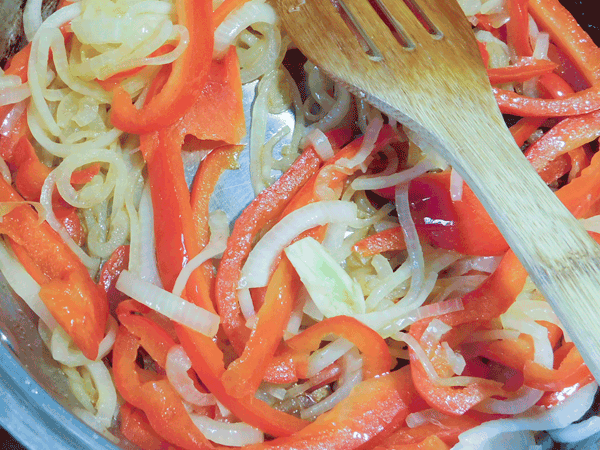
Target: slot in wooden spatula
column 421, row 66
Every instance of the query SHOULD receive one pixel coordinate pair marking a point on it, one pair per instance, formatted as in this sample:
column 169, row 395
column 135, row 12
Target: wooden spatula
column 422, row 67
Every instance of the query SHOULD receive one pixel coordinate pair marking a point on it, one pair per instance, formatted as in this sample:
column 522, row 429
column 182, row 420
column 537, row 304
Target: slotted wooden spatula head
column 418, row 62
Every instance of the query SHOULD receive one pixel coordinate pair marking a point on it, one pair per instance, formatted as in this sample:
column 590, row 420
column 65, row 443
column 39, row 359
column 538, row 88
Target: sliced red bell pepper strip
column 211, row 168
column 70, row 220
column 207, row 361
column 263, row 209
column 485, row 55
column 244, row 375
column 572, row 370
column 483, row 22
column 153, row 394
column 567, row 135
column 463, row 225
column 525, row 69
column 74, row 300
column 564, row 31
column 581, row 195
column 373, row 410
column 581, row 102
column 525, row 127
column 516, row 353
column 187, row 77
column 137, row 429
column 218, row 112
column 391, row 239
column 517, row 28
column 111, row 270
column 375, row 352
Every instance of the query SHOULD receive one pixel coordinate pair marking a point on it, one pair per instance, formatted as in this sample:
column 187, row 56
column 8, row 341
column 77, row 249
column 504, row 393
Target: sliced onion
column 12, row 95
column 416, row 419
column 231, row 434
column 370, row 182
column 322, row 376
column 249, row 13
column 438, row 309
column 320, row 142
column 106, row 405
column 32, row 18
column 577, row 431
column 536, row 419
column 168, row 304
column 368, row 144
column 456, row 186
column 434, row 332
column 456, row 360
column 9, row 123
column 460, row 286
column 543, row 353
column 525, row 398
column 178, row 364
column 428, row 366
column 219, row 231
column 257, row 269
column 149, row 269
column 486, row 264
column 327, row 355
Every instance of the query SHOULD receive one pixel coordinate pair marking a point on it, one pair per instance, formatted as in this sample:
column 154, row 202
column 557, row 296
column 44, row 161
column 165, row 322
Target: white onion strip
column 456, row 186
column 257, row 269
column 525, row 398
column 149, row 268
column 320, row 142
column 327, row 355
column 178, row 364
column 369, row 182
column 577, row 431
column 231, row 434
column 219, row 231
column 168, row 304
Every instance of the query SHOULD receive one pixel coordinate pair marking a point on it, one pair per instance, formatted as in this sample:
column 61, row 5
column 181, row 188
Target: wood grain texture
column 441, row 91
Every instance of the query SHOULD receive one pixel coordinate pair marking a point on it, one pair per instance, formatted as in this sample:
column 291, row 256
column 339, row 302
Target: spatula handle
column 559, row 255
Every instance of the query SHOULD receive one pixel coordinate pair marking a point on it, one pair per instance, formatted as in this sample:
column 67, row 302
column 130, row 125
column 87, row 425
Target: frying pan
column 34, row 397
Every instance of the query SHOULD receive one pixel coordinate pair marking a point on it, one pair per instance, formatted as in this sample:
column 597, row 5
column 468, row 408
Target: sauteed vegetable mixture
column 362, row 299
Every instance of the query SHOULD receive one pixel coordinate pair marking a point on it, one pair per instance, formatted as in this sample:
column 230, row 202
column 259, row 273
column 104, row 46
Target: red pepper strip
column 581, row 102
column 517, row 28
column 188, row 76
column 207, row 361
column 155, row 340
column 571, row 371
column 374, row 409
column 264, row 208
column 567, row 135
column 31, row 173
column 429, row 443
column 218, row 111
column 454, row 401
column 565, row 32
column 67, row 290
column 206, row 179
column 112, row 268
column 224, row 9
column 581, row 195
column 17, row 65
column 463, row 225
column 388, row 240
column 375, row 352
column 154, row 395
column 483, row 22
column 516, row 353
column 524, row 128
column 244, row 375
column 137, row 429
column 446, row 428
column 176, row 238
column 70, row 220
column 525, row 69
column 485, row 55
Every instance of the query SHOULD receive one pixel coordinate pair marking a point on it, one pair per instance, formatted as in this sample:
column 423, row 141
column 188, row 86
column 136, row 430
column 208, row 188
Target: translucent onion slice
column 12, row 95
column 327, row 355
column 32, row 18
column 168, row 304
column 149, row 269
column 250, row 13
column 578, row 431
column 320, row 143
column 231, row 434
column 369, row 182
column 257, row 269
column 525, row 398
column 456, row 186
column 178, row 364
